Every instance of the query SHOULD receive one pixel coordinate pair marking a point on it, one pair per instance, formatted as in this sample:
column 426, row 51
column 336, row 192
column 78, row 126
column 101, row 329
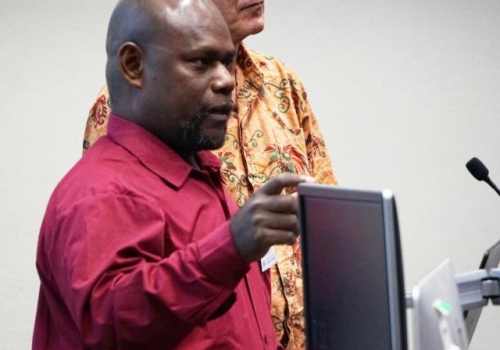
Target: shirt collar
column 156, row 155
column 248, row 66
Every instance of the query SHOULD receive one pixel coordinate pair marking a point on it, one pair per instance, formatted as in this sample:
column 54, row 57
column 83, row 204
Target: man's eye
column 201, row 63
column 228, row 62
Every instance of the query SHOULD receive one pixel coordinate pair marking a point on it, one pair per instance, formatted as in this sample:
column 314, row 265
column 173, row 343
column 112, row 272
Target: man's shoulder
column 267, row 64
column 104, row 168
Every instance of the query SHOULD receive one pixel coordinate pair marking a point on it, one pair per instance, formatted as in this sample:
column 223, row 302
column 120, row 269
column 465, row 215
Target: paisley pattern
column 273, row 131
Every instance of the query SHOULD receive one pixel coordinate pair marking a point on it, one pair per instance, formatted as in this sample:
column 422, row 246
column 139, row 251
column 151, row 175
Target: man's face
column 244, row 17
column 189, row 77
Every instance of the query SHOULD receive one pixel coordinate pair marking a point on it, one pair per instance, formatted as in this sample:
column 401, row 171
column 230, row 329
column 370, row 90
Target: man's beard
column 193, row 135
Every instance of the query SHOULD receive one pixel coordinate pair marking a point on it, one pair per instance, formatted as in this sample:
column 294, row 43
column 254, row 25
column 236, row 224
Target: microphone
column 480, row 172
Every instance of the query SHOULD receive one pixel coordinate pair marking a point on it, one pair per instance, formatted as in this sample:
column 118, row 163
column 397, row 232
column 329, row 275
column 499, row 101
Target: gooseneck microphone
column 480, row 172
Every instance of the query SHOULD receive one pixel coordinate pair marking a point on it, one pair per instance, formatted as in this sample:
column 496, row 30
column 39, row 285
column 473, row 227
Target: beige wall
column 405, row 91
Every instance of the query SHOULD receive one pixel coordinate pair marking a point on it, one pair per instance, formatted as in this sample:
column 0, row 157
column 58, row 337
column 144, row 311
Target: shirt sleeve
column 97, row 121
column 107, row 259
column 320, row 166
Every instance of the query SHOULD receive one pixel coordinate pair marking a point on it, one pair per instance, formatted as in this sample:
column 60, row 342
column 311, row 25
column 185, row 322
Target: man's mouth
column 250, row 5
column 221, row 111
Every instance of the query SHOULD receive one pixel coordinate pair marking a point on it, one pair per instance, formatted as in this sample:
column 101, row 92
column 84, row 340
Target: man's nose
column 224, row 81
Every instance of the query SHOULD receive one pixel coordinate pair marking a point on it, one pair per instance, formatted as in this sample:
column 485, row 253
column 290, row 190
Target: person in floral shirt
column 273, row 131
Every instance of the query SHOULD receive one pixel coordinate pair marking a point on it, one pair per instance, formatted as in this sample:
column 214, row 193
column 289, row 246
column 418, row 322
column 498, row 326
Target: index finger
column 279, row 182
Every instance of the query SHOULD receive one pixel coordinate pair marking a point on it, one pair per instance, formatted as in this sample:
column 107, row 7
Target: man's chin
column 211, row 138
column 214, row 144
column 210, row 143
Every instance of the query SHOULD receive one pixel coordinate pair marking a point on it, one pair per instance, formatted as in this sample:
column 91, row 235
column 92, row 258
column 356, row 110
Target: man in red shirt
column 140, row 247
column 274, row 130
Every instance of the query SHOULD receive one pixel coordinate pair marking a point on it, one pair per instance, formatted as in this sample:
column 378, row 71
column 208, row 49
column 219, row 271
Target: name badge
column 268, row 260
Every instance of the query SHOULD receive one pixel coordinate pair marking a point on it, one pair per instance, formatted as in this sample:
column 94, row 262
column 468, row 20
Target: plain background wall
column 405, row 92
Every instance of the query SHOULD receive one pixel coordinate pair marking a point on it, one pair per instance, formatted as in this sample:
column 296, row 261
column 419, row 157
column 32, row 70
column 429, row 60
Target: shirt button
column 266, row 339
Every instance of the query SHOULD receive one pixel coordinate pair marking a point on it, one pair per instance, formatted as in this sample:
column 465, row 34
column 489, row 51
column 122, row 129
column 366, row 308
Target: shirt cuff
column 219, row 257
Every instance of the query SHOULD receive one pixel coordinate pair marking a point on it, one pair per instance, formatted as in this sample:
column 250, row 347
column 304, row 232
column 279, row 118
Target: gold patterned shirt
column 273, row 131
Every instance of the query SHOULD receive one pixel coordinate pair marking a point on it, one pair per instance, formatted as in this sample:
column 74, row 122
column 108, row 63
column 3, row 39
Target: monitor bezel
column 392, row 245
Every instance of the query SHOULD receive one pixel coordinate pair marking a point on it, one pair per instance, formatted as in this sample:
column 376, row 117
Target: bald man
column 140, row 246
column 274, row 130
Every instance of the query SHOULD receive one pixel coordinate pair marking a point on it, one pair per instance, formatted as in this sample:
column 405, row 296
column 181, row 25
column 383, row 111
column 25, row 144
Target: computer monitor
column 490, row 260
column 438, row 321
column 352, row 269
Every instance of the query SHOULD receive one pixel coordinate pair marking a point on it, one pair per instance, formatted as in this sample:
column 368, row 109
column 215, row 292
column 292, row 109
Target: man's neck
column 190, row 158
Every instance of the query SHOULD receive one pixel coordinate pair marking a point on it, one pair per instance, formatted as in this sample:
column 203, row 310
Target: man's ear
column 131, row 60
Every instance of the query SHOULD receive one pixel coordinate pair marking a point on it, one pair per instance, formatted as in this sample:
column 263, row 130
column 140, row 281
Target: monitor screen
column 352, row 268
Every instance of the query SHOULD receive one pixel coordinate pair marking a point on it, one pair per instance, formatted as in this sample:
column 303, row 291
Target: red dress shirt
column 135, row 252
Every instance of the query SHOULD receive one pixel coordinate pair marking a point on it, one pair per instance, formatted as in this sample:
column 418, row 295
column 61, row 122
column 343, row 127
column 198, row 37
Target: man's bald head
column 170, row 69
column 135, row 24
column 132, row 23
